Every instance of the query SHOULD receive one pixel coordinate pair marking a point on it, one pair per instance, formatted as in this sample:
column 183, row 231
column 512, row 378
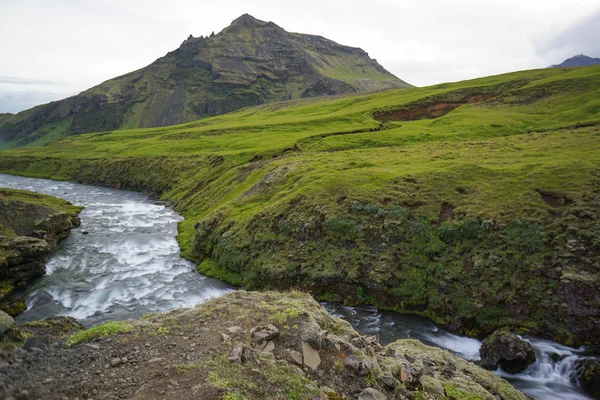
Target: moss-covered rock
column 506, row 350
column 14, row 307
column 433, row 368
column 6, row 322
column 589, row 377
column 31, row 226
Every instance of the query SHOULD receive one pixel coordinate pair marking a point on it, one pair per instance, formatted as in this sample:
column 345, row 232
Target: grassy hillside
column 475, row 203
column 17, row 201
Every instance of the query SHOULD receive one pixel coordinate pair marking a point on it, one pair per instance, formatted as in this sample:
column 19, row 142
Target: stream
column 128, row 264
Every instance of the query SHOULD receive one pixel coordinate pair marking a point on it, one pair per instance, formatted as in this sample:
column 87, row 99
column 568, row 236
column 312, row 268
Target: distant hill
column 578, row 61
column 248, row 63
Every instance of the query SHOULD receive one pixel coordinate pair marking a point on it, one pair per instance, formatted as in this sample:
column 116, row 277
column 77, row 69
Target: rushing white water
column 126, row 265
column 546, row 379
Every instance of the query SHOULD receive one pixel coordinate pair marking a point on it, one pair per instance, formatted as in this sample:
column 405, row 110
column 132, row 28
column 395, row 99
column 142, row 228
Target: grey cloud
column 13, row 102
column 14, row 80
column 579, row 38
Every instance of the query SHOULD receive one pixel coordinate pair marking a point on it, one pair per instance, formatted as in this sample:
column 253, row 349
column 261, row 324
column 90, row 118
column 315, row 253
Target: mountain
column 578, row 61
column 250, row 62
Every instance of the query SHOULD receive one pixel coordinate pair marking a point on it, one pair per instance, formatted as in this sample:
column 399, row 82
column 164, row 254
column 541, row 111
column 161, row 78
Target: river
column 127, row 264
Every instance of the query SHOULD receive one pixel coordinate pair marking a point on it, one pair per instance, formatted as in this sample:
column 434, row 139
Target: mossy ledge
column 484, row 213
column 31, row 226
column 213, row 351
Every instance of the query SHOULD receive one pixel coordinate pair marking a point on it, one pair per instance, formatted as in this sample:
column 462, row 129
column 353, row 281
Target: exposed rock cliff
column 31, row 226
column 246, row 345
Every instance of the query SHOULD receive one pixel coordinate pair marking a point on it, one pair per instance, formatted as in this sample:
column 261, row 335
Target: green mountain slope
column 475, row 203
column 250, row 62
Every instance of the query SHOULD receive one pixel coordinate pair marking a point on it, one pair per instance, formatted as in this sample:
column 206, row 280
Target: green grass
column 319, row 194
column 98, row 331
column 21, row 197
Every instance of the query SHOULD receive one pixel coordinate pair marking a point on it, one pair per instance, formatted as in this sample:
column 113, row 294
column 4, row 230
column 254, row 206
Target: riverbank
column 122, row 264
column 127, row 265
column 31, row 227
column 244, row 345
column 481, row 218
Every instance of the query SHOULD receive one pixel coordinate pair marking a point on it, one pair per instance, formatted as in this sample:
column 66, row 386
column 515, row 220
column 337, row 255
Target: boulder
column 356, row 364
column 264, row 333
column 506, row 350
column 236, row 353
column 6, row 322
column 36, row 342
column 588, row 374
column 311, row 357
column 371, row 394
column 296, row 357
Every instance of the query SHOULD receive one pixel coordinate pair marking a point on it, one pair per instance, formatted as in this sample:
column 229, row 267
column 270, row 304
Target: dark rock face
column 25, row 254
column 249, row 63
column 588, row 372
column 506, row 350
column 34, row 231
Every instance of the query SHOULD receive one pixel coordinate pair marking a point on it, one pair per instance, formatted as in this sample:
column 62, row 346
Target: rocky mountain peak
column 245, row 19
column 248, row 21
column 248, row 63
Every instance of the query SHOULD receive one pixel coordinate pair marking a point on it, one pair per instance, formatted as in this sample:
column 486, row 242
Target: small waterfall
column 552, row 377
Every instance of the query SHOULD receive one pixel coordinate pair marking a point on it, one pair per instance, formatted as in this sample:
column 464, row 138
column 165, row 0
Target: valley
column 263, row 214
column 480, row 218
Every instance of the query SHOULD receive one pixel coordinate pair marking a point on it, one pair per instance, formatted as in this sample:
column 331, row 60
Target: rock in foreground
column 245, row 345
column 506, row 350
column 31, row 226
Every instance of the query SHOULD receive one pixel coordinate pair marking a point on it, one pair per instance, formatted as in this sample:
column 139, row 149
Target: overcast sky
column 52, row 49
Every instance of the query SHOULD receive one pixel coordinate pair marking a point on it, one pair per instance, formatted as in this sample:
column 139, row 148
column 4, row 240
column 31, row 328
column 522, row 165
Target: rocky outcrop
column 245, row 345
column 250, row 62
column 588, row 372
column 31, row 226
column 6, row 323
column 506, row 350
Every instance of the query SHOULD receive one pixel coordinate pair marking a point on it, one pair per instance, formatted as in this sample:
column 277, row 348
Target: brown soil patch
column 434, row 108
column 554, row 199
column 447, row 212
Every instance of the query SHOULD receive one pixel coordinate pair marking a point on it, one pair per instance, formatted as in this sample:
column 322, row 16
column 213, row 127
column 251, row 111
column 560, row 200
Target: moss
column 282, row 316
column 454, row 394
column 6, row 286
column 14, row 307
column 185, row 368
column 99, row 331
column 210, row 268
